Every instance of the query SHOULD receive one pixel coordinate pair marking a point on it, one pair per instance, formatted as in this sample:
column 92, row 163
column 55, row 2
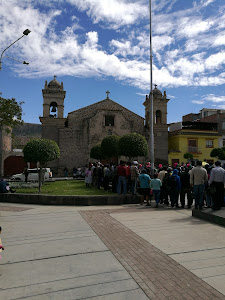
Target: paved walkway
column 117, row 252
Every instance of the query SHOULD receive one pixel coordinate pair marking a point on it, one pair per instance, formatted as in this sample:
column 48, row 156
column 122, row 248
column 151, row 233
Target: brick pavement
column 14, row 208
column 159, row 276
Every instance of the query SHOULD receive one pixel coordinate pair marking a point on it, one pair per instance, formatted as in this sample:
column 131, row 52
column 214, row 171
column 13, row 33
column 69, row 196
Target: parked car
column 33, row 175
column 79, row 173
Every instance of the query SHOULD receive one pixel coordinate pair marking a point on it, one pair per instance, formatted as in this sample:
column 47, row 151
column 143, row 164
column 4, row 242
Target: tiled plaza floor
column 160, row 276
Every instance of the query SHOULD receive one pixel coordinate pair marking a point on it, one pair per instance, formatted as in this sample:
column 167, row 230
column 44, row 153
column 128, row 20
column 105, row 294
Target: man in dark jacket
column 174, row 188
column 185, row 188
column 217, row 179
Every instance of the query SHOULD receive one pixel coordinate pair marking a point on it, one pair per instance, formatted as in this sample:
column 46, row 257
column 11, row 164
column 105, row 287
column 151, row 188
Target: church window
column 158, row 117
column 109, row 120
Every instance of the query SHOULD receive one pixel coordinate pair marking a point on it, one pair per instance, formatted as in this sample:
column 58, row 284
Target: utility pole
column 152, row 158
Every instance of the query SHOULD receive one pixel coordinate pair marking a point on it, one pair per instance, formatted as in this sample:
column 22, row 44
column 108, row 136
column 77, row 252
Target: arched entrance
column 14, row 165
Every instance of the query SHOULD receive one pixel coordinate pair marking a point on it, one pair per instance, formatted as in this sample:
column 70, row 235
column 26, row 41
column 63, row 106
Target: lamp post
column 151, row 98
column 26, row 32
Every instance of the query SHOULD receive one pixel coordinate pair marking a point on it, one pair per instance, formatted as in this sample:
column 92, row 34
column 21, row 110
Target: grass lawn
column 70, row 187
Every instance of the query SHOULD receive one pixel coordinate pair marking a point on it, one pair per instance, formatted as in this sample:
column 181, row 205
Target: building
column 197, row 138
column 212, row 116
column 86, row 127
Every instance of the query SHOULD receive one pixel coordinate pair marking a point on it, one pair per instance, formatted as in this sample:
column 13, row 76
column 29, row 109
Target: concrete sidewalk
column 123, row 252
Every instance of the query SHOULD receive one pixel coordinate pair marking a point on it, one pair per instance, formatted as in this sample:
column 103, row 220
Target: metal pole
column 23, row 62
column 26, row 32
column 152, row 159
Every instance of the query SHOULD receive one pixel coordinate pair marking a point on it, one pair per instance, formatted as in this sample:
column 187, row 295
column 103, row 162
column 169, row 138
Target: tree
column 109, row 146
column 42, row 151
column 218, row 153
column 10, row 113
column 132, row 145
column 96, row 152
column 188, row 155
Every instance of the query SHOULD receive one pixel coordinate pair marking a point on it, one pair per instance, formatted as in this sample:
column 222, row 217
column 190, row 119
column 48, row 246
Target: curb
column 70, row 200
column 212, row 216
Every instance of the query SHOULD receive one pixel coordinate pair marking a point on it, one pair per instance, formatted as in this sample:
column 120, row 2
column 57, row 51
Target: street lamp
column 26, row 32
column 151, row 98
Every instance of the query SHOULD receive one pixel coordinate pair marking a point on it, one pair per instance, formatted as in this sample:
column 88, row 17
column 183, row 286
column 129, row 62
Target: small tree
column 10, row 113
column 218, row 153
column 188, row 156
column 109, row 146
column 132, row 145
column 42, row 151
column 96, row 152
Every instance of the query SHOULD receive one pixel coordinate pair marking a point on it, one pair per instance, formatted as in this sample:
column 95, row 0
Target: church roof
column 104, row 104
column 156, row 91
column 54, row 83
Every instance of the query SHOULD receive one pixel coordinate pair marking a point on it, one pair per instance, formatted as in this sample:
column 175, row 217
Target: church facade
column 86, row 127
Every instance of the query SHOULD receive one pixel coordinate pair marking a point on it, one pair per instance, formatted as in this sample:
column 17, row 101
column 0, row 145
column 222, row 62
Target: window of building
column 109, row 120
column 209, row 144
column 192, row 146
column 223, row 125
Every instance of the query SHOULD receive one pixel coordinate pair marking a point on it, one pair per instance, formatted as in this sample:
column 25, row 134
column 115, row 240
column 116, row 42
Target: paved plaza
column 109, row 252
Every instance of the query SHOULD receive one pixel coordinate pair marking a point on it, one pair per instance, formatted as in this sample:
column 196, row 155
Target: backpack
column 172, row 183
column 165, row 182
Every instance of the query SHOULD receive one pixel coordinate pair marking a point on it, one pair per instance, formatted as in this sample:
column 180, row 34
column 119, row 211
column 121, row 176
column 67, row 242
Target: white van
column 33, row 175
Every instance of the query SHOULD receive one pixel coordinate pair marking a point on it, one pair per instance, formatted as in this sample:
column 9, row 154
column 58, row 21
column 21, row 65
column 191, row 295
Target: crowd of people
column 180, row 186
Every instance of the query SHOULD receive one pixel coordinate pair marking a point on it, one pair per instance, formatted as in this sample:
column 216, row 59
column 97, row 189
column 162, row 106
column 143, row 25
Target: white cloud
column 219, row 106
column 219, row 39
column 185, row 43
column 197, row 102
column 214, row 98
column 117, row 12
column 192, row 29
column 125, row 48
column 215, row 60
column 206, row 2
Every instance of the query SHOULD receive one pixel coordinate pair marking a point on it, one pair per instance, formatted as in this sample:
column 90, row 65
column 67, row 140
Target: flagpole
column 151, row 98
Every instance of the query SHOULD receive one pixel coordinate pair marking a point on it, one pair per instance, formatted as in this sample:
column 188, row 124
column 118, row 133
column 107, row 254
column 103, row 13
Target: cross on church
column 107, row 94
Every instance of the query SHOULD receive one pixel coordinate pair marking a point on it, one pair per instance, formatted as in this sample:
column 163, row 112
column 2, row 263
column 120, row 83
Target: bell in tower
column 53, row 105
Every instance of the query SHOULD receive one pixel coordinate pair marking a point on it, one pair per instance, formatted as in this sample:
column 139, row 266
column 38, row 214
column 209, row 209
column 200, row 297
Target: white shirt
column 217, row 174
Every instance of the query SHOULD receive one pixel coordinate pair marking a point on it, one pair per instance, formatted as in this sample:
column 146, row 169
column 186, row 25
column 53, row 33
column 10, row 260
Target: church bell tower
column 160, row 127
column 53, row 110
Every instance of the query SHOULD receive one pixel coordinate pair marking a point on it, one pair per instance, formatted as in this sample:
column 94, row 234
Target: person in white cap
column 134, row 177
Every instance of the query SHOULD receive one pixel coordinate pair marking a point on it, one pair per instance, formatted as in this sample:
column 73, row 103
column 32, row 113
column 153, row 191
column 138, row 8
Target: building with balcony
column 197, row 138
column 208, row 115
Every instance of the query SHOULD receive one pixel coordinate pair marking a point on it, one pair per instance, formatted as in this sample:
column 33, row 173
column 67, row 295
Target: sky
column 97, row 45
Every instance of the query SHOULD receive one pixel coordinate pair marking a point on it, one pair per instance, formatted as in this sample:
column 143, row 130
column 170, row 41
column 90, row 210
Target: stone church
column 86, row 127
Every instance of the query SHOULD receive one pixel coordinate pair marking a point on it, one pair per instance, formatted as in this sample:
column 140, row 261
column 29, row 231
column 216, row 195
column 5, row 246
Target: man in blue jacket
column 174, row 188
column 4, row 187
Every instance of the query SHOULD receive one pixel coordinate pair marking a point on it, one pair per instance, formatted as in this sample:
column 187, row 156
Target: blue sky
column 99, row 45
